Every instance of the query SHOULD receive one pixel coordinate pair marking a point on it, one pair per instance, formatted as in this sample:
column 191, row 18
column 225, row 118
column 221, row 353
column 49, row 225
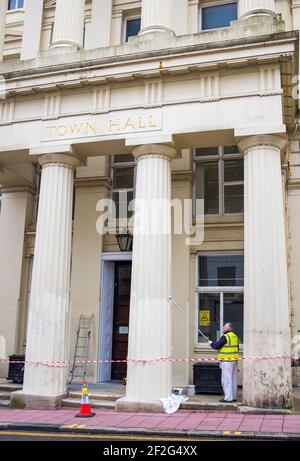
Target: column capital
column 59, row 159
column 155, row 150
column 256, row 141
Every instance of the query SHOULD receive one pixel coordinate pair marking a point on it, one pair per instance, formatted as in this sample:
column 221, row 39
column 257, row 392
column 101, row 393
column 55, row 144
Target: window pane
column 123, row 178
column 229, row 150
column 221, row 270
column 12, row 4
column 20, row 3
column 233, row 170
column 234, row 199
column 122, row 201
column 218, row 16
column 209, row 316
column 207, row 186
column 234, row 312
column 125, row 158
column 204, row 151
column 133, row 26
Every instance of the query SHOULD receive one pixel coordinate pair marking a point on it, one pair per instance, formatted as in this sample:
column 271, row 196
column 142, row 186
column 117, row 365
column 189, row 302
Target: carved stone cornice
column 185, row 175
column 13, row 188
column 293, row 184
column 97, row 182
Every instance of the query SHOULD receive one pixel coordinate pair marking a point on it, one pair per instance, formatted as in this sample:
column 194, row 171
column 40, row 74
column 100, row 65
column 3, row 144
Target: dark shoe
column 234, row 400
column 226, row 401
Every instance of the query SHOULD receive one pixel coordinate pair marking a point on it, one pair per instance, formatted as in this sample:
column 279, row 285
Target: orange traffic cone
column 85, row 409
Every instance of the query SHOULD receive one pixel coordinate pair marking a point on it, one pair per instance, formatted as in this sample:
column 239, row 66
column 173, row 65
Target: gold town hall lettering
column 103, row 125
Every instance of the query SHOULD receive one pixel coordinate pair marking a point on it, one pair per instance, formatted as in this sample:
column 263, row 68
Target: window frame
column 220, row 290
column 216, row 3
column 220, row 158
column 123, row 165
column 126, row 19
column 18, row 8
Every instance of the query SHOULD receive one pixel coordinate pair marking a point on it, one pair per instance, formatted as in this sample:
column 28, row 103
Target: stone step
column 10, row 387
column 102, row 396
column 209, row 406
column 4, row 403
column 75, row 403
column 4, row 395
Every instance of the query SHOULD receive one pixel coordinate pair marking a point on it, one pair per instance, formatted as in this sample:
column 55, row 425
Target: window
column 219, row 293
column 123, row 178
column 220, row 179
column 215, row 16
column 15, row 4
column 132, row 27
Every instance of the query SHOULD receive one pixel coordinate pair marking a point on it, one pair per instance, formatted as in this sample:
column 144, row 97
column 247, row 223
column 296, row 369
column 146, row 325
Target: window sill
column 205, row 349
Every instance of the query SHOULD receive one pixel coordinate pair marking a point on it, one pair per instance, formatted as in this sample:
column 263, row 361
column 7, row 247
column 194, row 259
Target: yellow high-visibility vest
column 230, row 351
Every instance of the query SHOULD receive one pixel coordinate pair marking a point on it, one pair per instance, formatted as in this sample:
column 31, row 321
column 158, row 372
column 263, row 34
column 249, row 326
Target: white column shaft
column 247, row 7
column 150, row 309
column 32, row 30
column 3, row 10
column 157, row 16
column 49, row 301
column 100, row 29
column 68, row 23
column 267, row 383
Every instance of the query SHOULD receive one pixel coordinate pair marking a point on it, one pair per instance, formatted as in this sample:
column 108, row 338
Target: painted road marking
column 75, row 426
column 104, row 436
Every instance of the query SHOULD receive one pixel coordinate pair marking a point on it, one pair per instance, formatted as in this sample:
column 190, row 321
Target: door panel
column 121, row 318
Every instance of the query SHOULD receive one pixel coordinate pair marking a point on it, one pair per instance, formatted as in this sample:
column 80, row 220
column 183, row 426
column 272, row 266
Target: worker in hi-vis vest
column 228, row 347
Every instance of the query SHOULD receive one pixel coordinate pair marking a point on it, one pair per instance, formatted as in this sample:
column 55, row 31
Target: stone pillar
column 251, row 7
column 100, row 28
column 150, row 307
column 16, row 213
column 32, row 30
column 3, row 10
column 47, row 337
column 68, row 24
column 157, row 16
column 266, row 383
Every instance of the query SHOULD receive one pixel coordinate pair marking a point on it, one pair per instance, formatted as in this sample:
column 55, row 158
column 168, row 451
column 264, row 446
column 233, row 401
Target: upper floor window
column 214, row 16
column 220, row 179
column 15, row 4
column 123, row 180
column 132, row 27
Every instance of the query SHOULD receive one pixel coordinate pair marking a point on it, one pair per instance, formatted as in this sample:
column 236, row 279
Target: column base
column 21, row 400
column 130, row 406
column 243, row 409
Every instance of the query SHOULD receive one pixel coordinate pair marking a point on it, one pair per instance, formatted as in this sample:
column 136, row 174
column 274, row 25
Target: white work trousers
column 229, row 380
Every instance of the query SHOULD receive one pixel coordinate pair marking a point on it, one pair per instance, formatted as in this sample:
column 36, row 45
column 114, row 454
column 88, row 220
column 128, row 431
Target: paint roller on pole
column 188, row 318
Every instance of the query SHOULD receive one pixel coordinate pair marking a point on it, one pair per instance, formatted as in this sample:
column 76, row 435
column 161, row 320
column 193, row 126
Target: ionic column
column 47, row 333
column 3, row 10
column 251, row 7
column 266, row 382
column 150, row 307
column 157, row 16
column 68, row 23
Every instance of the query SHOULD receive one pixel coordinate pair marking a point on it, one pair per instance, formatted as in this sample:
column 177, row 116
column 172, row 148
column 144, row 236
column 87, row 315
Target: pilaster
column 3, row 10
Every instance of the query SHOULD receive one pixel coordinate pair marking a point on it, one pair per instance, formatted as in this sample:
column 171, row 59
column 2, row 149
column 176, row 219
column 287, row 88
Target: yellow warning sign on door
column 204, row 318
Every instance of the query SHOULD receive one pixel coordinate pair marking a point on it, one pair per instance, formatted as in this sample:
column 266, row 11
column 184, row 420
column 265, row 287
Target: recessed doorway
column 114, row 318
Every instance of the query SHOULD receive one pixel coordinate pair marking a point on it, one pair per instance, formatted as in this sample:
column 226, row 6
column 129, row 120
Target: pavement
column 181, row 423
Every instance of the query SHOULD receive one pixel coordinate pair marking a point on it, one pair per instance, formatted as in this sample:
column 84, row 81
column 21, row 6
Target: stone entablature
column 134, row 95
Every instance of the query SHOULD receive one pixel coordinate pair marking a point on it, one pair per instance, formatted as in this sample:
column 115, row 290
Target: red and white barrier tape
column 61, row 363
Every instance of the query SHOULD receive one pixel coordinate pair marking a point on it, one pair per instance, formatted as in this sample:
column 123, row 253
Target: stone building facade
column 186, row 100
